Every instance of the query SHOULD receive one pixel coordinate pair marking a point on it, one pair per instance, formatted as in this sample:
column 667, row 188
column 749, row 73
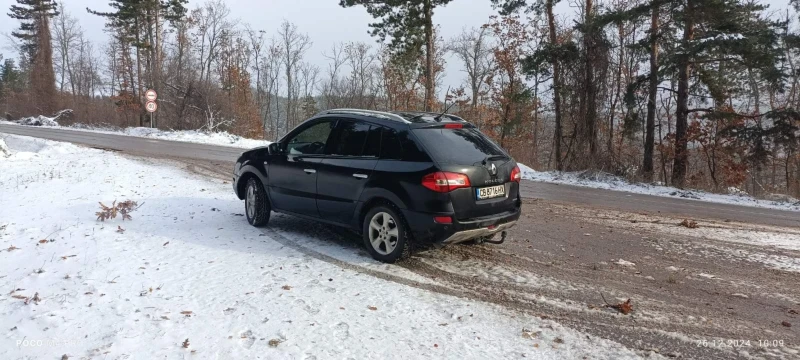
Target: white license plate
column 491, row 192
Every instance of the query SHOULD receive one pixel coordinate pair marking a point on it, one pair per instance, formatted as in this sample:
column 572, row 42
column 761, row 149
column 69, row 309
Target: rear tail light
column 516, row 174
column 442, row 181
column 453, row 126
column 443, row 219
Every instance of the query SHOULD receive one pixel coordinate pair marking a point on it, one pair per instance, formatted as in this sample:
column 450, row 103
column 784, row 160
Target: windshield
column 466, row 146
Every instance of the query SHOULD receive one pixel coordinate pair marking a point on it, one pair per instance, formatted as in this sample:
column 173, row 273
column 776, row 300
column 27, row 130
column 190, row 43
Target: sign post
column 151, row 105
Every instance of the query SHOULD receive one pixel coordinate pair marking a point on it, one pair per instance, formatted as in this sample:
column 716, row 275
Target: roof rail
column 373, row 113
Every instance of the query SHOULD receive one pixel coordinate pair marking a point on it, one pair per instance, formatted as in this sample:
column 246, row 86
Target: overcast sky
column 323, row 20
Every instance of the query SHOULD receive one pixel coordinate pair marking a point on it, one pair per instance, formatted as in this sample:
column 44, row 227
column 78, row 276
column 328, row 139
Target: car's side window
column 390, row 145
column 349, row 138
column 311, row 141
column 373, row 146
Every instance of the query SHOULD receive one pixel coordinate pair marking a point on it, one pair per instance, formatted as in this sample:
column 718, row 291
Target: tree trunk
column 551, row 24
column 590, row 119
column 428, row 8
column 680, row 163
column 649, row 142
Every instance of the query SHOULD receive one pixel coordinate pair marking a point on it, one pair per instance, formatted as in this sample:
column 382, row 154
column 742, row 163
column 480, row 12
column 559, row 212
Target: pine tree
column 712, row 34
column 138, row 23
column 409, row 24
column 34, row 32
column 553, row 54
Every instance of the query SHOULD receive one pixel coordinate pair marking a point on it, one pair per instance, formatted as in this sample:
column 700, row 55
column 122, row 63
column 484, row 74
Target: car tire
column 256, row 204
column 384, row 234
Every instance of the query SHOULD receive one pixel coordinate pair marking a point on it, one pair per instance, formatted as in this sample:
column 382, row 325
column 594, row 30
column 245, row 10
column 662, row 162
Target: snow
column 194, row 136
column 4, row 151
column 623, row 262
column 221, row 138
column 609, row 182
column 187, row 267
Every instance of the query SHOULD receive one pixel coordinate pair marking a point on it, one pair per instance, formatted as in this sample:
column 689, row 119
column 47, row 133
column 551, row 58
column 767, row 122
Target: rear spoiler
column 442, row 125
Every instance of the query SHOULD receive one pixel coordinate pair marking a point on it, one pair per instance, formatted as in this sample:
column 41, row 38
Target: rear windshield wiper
column 490, row 158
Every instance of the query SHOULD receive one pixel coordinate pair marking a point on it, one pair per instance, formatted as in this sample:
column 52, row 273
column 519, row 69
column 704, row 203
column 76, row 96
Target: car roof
column 394, row 118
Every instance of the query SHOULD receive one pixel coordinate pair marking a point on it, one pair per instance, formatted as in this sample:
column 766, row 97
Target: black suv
column 394, row 177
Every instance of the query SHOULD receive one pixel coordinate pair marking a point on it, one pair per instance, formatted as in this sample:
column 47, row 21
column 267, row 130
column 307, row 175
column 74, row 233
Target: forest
column 699, row 94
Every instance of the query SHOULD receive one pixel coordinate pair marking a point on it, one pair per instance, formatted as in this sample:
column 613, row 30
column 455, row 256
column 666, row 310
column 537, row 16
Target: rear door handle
column 310, row 171
column 360, row 176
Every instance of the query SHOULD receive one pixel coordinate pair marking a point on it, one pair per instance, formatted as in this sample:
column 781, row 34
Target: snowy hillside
column 188, row 278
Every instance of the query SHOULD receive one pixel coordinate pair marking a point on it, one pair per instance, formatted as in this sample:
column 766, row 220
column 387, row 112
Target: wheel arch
column 246, row 173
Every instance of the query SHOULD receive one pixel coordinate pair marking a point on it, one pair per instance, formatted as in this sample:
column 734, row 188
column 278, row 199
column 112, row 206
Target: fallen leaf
column 185, row 343
column 274, row 342
column 436, row 345
column 120, row 229
column 165, row 244
column 43, row 241
column 286, row 287
column 187, row 313
column 691, row 224
column 786, row 323
column 372, row 308
column 793, row 311
column 558, row 340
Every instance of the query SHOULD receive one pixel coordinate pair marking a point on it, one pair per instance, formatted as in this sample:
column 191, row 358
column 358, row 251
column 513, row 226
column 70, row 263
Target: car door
column 293, row 173
column 352, row 156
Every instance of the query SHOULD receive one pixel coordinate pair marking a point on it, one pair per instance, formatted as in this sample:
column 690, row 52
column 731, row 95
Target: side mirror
column 274, row 148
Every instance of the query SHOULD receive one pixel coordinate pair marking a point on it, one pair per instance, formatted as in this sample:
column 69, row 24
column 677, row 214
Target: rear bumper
column 467, row 235
column 426, row 230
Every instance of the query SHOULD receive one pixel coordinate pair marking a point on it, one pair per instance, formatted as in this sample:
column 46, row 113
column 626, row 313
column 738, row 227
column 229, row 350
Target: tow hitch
column 502, row 239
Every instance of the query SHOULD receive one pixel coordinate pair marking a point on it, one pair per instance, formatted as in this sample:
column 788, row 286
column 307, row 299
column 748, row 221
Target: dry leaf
column 185, row 344
column 120, row 229
column 786, row 323
column 274, row 342
column 286, row 287
column 43, row 241
column 165, row 244
column 691, row 224
column 624, row 307
column 372, row 308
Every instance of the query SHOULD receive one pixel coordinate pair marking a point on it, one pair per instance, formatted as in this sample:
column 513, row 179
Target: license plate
column 491, row 192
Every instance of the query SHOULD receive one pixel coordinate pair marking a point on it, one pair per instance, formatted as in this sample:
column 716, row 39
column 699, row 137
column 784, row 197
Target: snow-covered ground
column 194, row 136
column 610, row 182
column 188, row 278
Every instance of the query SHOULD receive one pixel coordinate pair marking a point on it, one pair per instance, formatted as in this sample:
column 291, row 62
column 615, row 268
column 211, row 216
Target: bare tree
column 294, row 45
column 474, row 49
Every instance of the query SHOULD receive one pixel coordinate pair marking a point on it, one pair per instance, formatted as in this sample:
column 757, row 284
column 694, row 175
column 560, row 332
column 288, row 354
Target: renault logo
column 493, row 170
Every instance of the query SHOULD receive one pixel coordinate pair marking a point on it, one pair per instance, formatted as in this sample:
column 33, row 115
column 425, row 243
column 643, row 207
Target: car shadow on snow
column 220, row 223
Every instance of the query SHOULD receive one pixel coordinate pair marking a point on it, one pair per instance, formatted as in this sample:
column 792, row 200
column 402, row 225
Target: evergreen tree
column 715, row 36
column 547, row 60
column 138, row 23
column 409, row 24
column 34, row 32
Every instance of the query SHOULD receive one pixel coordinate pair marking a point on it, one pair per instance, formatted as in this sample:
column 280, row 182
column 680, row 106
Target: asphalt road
column 224, row 156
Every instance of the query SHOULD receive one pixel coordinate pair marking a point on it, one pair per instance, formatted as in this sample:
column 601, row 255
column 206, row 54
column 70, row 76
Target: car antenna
column 447, row 108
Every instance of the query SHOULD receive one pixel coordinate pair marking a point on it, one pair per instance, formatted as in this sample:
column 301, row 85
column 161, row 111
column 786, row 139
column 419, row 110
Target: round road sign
column 151, row 106
column 151, row 95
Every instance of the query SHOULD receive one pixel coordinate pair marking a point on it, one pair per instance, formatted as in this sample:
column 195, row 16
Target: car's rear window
column 465, row 146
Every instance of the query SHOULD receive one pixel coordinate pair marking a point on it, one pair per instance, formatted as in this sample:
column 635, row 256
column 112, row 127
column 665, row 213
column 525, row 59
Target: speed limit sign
column 151, row 106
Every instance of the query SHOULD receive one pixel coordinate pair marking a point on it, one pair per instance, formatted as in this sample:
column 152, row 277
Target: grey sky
column 323, row 20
